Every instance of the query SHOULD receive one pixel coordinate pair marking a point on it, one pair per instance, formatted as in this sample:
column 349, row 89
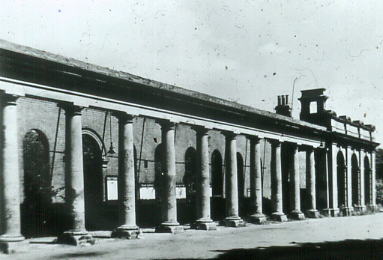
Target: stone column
column 349, row 207
column 126, row 179
column 373, row 181
column 333, row 180
column 256, row 181
column 204, row 221
column 362, row 204
column 232, row 218
column 327, row 168
column 311, row 183
column 169, row 202
column 276, row 182
column 77, row 234
column 296, row 212
column 10, row 182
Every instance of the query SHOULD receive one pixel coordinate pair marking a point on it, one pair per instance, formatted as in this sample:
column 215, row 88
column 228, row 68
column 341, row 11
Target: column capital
column 70, row 108
column 9, row 99
column 254, row 138
column 229, row 134
column 166, row 124
column 309, row 148
column 295, row 146
column 274, row 142
column 123, row 116
column 201, row 130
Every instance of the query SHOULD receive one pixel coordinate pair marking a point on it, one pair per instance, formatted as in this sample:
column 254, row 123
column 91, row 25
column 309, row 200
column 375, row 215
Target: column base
column 11, row 238
column 360, row 209
column 257, row 218
column 297, row 215
column 329, row 212
column 168, row 227
column 312, row 213
column 372, row 208
column 233, row 222
column 11, row 244
column 127, row 232
column 347, row 211
column 14, row 247
column 204, row 224
column 277, row 216
column 76, row 238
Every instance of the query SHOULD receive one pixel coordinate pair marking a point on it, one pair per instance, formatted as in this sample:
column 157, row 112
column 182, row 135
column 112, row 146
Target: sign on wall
column 147, row 192
column 181, row 192
column 111, row 188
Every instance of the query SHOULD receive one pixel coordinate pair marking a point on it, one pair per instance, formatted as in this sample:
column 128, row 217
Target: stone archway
column 159, row 183
column 355, row 181
column 37, row 215
column 241, row 185
column 341, row 180
column 217, row 184
column 93, row 184
column 187, row 209
column 367, row 181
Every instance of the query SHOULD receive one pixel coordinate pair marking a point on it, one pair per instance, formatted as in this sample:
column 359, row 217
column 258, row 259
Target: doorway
column 36, row 210
column 341, row 178
column 93, row 182
column 241, row 186
column 217, row 184
column 355, row 181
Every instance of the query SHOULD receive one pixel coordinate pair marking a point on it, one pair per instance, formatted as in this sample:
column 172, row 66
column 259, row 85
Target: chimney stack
column 283, row 107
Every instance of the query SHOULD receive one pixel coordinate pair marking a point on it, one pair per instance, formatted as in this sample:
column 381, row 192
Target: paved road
column 359, row 237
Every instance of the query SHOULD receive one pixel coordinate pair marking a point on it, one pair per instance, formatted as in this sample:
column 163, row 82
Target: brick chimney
column 283, row 107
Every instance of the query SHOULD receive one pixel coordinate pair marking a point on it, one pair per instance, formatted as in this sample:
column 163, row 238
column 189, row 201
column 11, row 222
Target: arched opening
column 367, row 181
column 154, row 216
column 37, row 219
column 218, row 201
column 355, row 180
column 286, row 159
column 93, row 181
column 341, row 178
column 241, row 185
column 187, row 207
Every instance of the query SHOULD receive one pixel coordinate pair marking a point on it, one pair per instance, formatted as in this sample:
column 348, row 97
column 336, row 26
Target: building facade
column 88, row 148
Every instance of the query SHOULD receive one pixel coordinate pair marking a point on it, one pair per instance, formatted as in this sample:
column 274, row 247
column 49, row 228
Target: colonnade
column 10, row 204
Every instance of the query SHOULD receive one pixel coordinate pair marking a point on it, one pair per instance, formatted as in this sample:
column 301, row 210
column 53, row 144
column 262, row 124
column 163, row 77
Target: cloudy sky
column 245, row 51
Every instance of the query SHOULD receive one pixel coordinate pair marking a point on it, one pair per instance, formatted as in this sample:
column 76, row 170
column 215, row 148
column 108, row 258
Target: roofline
column 77, row 64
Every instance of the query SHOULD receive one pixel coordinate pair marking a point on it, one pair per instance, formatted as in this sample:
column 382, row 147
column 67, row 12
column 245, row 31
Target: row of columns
column 10, row 206
column 334, row 206
column 360, row 204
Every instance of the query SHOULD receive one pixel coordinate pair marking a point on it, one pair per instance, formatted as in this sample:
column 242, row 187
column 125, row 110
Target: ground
column 358, row 237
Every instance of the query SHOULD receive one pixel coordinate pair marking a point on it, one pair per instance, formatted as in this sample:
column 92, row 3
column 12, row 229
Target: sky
column 244, row 51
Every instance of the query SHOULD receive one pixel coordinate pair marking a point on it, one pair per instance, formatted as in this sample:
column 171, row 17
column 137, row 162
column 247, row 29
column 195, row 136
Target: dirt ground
column 358, row 237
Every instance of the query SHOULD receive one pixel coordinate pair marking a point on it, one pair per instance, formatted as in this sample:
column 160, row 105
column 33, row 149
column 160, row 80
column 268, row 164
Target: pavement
column 357, row 237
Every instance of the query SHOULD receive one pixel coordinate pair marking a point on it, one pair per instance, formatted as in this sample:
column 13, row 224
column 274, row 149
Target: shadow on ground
column 342, row 250
column 86, row 255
